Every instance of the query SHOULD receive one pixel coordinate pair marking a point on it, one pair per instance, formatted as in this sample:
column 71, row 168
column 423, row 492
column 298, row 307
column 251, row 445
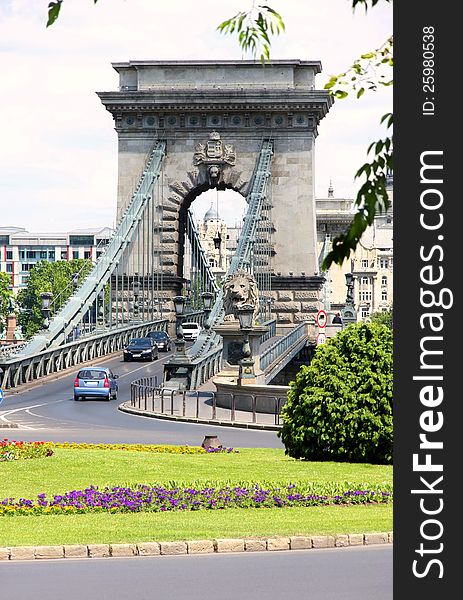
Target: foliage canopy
column 340, row 406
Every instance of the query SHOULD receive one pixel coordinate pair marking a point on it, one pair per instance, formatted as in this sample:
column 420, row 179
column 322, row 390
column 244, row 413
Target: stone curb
column 222, row 545
column 217, row 422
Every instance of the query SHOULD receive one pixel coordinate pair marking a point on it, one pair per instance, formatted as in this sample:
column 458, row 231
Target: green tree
column 5, row 295
column 383, row 318
column 340, row 406
column 54, row 277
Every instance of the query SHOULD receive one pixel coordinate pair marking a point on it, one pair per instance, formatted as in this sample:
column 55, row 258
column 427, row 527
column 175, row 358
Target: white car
column 191, row 330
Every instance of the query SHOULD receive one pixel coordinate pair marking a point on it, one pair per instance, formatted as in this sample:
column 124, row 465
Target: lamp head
column 179, row 304
column 245, row 315
column 207, row 300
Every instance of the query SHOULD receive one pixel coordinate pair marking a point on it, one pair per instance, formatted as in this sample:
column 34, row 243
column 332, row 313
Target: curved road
column 46, row 411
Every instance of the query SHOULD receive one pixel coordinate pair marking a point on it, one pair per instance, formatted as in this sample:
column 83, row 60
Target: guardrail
column 197, row 406
column 279, row 348
column 18, row 370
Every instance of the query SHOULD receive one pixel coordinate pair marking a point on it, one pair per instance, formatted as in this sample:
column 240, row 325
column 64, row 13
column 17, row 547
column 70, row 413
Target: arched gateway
column 213, row 116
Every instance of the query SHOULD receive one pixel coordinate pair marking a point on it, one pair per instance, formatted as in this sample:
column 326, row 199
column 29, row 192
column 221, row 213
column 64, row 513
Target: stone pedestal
column 233, row 350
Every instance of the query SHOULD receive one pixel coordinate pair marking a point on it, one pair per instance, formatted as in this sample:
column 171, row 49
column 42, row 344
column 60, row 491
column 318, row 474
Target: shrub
column 340, row 406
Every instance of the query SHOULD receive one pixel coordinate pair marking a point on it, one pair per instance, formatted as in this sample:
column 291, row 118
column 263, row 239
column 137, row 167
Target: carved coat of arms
column 212, row 158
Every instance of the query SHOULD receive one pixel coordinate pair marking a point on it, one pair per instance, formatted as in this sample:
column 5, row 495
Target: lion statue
column 239, row 289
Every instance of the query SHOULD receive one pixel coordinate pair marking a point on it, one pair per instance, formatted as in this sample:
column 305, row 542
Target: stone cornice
column 181, row 101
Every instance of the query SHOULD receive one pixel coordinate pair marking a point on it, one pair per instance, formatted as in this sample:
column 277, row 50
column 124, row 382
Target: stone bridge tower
column 234, row 104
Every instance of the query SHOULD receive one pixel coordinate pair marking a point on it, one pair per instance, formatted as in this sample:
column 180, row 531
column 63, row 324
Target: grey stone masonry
column 184, row 103
column 274, row 543
column 171, row 548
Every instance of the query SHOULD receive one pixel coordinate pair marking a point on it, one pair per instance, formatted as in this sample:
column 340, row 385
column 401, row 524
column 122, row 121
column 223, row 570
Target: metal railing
column 282, row 346
column 19, row 370
column 196, row 406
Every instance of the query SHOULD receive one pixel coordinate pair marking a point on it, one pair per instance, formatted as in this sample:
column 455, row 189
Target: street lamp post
column 136, row 293
column 100, row 309
column 179, row 305
column 207, row 303
column 45, row 309
column 349, row 314
column 188, row 296
column 246, row 364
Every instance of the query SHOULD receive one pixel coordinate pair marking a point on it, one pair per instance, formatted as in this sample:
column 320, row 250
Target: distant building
column 372, row 262
column 21, row 250
column 213, row 233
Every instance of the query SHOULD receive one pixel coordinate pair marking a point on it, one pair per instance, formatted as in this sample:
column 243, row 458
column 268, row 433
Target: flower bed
column 158, row 498
column 15, row 450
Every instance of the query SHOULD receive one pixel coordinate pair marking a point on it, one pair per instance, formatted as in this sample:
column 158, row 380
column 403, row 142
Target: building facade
column 371, row 264
column 21, row 250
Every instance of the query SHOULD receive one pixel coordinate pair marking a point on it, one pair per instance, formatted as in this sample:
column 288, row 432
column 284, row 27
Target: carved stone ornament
column 239, row 289
column 212, row 158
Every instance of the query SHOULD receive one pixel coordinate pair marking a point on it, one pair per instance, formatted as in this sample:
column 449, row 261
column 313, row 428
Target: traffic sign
column 321, row 338
column 321, row 318
column 1, row 395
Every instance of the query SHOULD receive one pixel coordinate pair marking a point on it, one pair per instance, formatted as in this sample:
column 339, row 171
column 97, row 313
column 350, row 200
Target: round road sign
column 321, row 318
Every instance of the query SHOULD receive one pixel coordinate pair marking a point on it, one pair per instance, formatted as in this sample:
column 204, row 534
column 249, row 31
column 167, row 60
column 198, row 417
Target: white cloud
column 58, row 157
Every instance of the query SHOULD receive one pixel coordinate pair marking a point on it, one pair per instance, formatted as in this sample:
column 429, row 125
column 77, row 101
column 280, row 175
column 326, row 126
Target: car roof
column 157, row 333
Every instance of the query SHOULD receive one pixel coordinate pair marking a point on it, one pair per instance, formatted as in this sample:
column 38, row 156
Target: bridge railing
column 18, row 370
column 281, row 346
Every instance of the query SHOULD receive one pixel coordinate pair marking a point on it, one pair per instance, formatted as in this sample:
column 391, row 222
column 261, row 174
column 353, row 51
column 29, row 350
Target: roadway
column 353, row 573
column 46, row 411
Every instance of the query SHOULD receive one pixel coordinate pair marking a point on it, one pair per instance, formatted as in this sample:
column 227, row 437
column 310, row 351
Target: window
column 51, row 255
column 26, row 267
column 9, row 268
column 64, row 255
column 9, row 255
column 384, row 280
column 22, row 254
column 30, row 254
column 383, row 262
column 365, row 280
column 384, row 295
column 87, row 254
column 365, row 296
column 365, row 313
column 364, row 263
column 43, row 254
column 81, row 240
column 75, row 254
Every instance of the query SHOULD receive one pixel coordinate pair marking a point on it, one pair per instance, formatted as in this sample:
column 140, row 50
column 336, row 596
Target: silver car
column 95, row 382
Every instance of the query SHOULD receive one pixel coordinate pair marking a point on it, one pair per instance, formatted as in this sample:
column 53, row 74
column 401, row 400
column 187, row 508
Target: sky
column 58, row 154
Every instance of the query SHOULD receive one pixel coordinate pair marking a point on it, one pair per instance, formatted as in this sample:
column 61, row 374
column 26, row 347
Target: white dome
column 211, row 215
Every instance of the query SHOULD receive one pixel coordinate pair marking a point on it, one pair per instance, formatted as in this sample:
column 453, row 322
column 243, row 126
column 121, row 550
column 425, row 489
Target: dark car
column 95, row 382
column 163, row 341
column 144, row 348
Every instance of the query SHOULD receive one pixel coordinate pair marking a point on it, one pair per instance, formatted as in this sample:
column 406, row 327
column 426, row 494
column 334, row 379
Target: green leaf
column 53, row 12
column 340, row 94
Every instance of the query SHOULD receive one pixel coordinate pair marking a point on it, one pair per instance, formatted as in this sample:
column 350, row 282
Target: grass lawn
column 76, row 469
